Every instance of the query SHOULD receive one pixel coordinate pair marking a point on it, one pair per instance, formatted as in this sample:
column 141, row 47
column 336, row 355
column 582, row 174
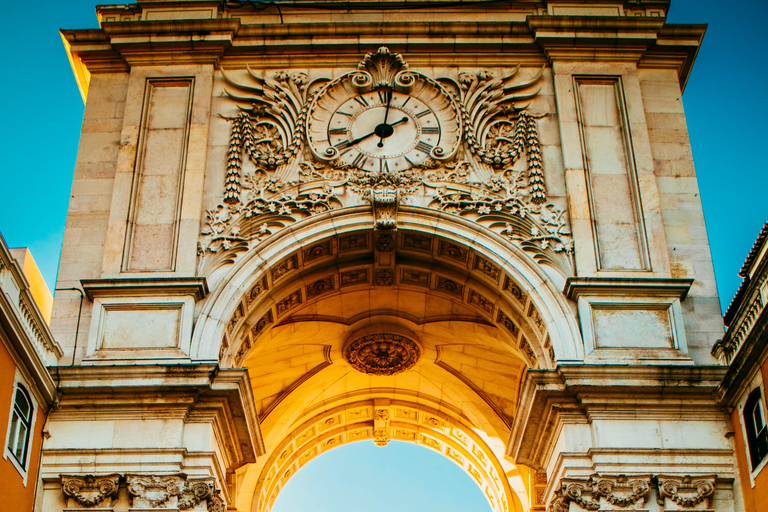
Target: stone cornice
column 578, row 286
column 590, row 38
column 748, row 355
column 579, row 393
column 196, row 287
column 196, row 392
column 118, row 45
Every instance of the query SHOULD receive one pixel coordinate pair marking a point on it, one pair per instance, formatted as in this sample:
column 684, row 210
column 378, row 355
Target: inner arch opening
column 400, row 476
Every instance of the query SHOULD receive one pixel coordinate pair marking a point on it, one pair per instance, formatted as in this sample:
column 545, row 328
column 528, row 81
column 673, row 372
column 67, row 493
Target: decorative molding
column 320, row 287
column 384, row 277
column 686, row 491
column 382, row 354
column 576, row 287
column 150, row 286
column 91, row 490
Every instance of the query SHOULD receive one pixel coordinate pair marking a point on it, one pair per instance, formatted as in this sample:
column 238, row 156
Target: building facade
column 744, row 348
column 27, row 390
column 472, row 227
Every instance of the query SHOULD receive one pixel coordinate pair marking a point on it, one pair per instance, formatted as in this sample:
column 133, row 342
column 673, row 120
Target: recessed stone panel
column 624, row 328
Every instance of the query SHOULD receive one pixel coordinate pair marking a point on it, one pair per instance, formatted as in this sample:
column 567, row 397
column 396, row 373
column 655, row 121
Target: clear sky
column 726, row 108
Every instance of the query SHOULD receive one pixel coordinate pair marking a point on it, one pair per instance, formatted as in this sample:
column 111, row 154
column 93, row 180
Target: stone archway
column 481, row 313
column 403, row 419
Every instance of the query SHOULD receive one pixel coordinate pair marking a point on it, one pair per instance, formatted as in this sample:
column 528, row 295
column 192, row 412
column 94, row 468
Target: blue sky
column 725, row 103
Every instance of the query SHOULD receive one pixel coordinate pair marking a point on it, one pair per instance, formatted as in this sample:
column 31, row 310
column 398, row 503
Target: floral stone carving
column 491, row 172
column 382, row 354
column 90, row 490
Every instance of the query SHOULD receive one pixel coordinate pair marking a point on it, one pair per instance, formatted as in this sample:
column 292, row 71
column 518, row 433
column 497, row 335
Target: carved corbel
column 685, row 491
column 91, row 490
column 149, row 491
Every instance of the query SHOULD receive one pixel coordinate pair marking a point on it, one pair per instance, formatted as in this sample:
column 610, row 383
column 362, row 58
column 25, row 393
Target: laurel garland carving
column 494, row 178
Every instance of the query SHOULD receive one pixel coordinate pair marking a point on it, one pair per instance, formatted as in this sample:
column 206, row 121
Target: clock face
column 383, row 130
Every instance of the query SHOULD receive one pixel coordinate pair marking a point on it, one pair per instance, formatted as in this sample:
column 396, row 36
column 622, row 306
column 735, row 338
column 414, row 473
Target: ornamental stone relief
column 609, row 492
column 384, row 135
column 91, row 490
column 149, row 492
column 382, row 354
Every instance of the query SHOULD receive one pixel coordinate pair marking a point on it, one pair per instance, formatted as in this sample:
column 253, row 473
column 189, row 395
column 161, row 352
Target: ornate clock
column 383, row 118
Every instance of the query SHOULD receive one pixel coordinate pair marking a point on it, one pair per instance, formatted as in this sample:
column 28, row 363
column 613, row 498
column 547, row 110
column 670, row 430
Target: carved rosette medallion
column 382, row 354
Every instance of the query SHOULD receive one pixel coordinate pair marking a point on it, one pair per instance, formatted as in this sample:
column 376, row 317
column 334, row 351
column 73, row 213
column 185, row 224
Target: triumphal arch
column 473, row 227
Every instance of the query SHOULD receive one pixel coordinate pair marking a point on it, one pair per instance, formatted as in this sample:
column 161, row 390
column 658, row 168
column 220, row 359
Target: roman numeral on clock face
column 361, row 101
column 383, row 165
column 423, row 113
column 339, row 131
column 430, row 130
column 341, row 146
column 359, row 161
column 384, row 96
column 423, row 147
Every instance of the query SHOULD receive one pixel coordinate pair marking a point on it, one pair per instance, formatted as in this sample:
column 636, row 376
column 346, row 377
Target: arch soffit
column 382, row 420
column 520, row 281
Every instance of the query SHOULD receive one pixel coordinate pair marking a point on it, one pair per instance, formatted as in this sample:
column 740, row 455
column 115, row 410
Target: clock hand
column 375, row 132
column 386, row 114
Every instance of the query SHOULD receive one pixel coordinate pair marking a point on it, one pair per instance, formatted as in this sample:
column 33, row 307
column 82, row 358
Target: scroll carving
column 154, row 491
column 493, row 175
column 602, row 492
column 686, row 491
column 91, row 490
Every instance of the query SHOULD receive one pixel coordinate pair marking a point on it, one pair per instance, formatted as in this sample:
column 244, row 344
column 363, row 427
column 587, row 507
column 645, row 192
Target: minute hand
column 359, row 139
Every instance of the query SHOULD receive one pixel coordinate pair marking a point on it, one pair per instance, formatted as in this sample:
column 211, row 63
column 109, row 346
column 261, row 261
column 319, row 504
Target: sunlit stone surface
column 508, row 188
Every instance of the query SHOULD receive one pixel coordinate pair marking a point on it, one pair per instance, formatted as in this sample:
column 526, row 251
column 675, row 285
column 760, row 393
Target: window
column 757, row 432
column 21, row 426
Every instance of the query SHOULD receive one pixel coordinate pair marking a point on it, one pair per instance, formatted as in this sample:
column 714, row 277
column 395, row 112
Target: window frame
column 22, row 468
column 755, row 403
column 755, row 382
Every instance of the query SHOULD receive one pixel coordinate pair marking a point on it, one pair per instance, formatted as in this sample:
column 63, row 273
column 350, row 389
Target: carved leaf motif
column 497, row 131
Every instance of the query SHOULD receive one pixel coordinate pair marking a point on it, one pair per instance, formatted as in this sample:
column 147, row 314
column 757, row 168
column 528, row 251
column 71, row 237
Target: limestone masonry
column 471, row 226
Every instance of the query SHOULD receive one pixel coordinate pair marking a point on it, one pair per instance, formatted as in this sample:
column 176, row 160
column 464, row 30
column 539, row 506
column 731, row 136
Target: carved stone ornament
column 90, row 490
column 154, row 491
column 602, row 492
column 382, row 354
column 196, row 491
column 686, row 491
column 302, row 145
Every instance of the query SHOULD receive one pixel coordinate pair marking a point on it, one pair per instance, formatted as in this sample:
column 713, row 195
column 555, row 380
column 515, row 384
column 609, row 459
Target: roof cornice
column 119, row 45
